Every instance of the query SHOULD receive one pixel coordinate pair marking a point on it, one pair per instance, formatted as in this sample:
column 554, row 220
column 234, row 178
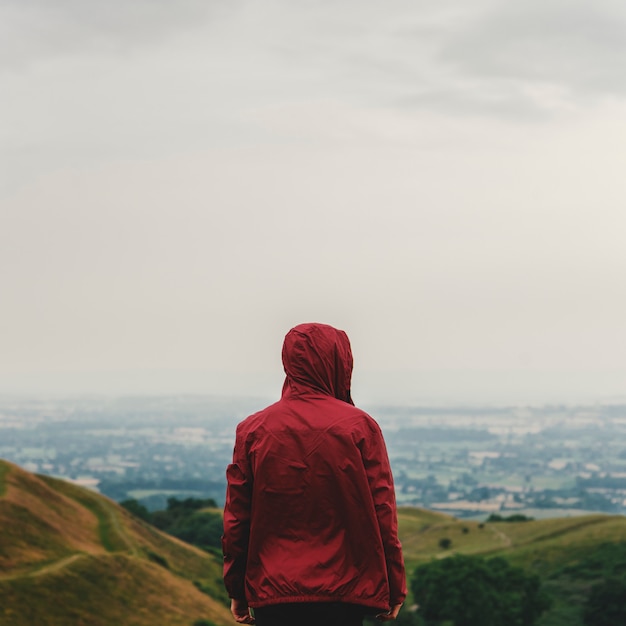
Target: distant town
column 471, row 462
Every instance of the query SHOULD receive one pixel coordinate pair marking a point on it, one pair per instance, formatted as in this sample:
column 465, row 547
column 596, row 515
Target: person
column 310, row 523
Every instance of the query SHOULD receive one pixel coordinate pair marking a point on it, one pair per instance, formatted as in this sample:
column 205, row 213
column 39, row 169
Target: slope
column 70, row 556
column 541, row 545
column 568, row 554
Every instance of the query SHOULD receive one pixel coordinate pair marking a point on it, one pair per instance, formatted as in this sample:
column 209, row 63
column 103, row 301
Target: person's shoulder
column 358, row 416
column 253, row 421
column 371, row 423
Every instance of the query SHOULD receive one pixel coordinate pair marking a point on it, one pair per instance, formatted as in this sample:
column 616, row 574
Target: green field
column 551, row 548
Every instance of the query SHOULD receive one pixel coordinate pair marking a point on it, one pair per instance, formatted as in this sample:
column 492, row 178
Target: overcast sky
column 183, row 182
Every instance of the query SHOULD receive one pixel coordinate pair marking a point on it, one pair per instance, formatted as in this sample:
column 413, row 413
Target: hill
column 71, row 556
column 570, row 555
column 543, row 546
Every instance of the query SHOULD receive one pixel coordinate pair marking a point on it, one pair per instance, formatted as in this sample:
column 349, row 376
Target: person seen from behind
column 310, row 523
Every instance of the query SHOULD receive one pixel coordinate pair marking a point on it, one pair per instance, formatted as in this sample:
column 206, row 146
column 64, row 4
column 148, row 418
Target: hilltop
column 543, row 546
column 71, row 556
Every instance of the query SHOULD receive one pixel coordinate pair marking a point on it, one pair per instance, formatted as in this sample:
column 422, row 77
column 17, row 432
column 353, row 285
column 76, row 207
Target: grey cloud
column 40, row 29
column 530, row 59
column 526, row 60
column 478, row 101
column 580, row 47
column 480, row 57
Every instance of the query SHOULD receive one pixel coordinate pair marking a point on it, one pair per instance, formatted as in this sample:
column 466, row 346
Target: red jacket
column 310, row 509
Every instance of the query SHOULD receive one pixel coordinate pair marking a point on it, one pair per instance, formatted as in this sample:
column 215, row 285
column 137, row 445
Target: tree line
column 193, row 520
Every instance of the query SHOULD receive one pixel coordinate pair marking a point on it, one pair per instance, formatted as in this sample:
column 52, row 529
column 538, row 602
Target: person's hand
column 241, row 611
column 390, row 615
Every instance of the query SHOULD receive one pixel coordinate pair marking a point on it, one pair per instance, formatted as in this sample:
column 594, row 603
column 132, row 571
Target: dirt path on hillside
column 506, row 540
column 120, row 529
column 49, row 568
column 45, row 569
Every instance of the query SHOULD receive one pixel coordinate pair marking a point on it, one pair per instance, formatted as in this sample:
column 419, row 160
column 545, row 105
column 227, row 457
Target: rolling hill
column 570, row 555
column 69, row 556
column 72, row 557
column 543, row 546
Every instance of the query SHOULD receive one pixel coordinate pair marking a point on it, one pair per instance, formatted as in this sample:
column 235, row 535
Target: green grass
column 112, row 537
column 556, row 544
column 121, row 571
column 559, row 550
column 421, row 532
column 568, row 598
column 123, row 586
column 553, row 540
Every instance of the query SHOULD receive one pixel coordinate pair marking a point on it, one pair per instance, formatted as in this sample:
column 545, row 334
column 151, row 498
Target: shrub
column 606, row 604
column 470, row 591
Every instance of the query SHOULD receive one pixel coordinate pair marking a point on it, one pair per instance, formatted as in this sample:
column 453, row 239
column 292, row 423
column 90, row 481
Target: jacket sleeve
column 381, row 485
column 237, row 521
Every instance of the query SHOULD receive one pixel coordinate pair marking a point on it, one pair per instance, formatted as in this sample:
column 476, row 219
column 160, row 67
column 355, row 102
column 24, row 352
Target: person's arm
column 237, row 523
column 380, row 479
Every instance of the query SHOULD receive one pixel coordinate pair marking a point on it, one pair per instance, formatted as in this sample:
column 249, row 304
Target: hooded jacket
column 310, row 512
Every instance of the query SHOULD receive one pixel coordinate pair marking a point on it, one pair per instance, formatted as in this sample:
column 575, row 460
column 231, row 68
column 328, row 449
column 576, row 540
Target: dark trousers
column 310, row 614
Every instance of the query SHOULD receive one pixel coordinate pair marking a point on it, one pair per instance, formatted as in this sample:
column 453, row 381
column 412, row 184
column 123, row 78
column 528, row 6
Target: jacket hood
column 317, row 357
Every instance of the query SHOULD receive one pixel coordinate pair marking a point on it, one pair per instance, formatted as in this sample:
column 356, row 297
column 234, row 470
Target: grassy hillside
column 543, row 546
column 569, row 554
column 70, row 556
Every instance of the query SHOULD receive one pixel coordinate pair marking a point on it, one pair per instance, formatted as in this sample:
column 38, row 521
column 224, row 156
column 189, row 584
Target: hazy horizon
column 428, row 388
